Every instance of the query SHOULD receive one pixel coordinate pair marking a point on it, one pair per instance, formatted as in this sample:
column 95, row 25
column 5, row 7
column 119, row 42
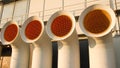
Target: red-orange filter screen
column 33, row 29
column 97, row 21
column 10, row 32
column 61, row 25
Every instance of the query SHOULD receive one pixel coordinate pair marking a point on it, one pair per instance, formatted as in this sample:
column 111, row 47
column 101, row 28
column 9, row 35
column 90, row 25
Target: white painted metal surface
column 76, row 7
column 68, row 45
column 42, row 52
column 20, row 49
column 101, row 47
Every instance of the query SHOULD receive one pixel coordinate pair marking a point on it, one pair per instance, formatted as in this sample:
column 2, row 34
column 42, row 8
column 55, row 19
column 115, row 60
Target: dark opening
column 8, row 1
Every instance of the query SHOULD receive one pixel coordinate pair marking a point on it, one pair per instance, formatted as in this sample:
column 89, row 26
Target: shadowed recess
column 10, row 32
column 97, row 21
column 33, row 29
column 61, row 25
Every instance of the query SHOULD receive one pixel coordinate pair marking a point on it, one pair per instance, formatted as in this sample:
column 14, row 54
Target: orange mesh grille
column 10, row 32
column 33, row 29
column 61, row 25
column 97, row 21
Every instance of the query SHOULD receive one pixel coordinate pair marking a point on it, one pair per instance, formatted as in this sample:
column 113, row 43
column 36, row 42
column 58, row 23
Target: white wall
column 19, row 13
column 7, row 13
column 35, row 7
